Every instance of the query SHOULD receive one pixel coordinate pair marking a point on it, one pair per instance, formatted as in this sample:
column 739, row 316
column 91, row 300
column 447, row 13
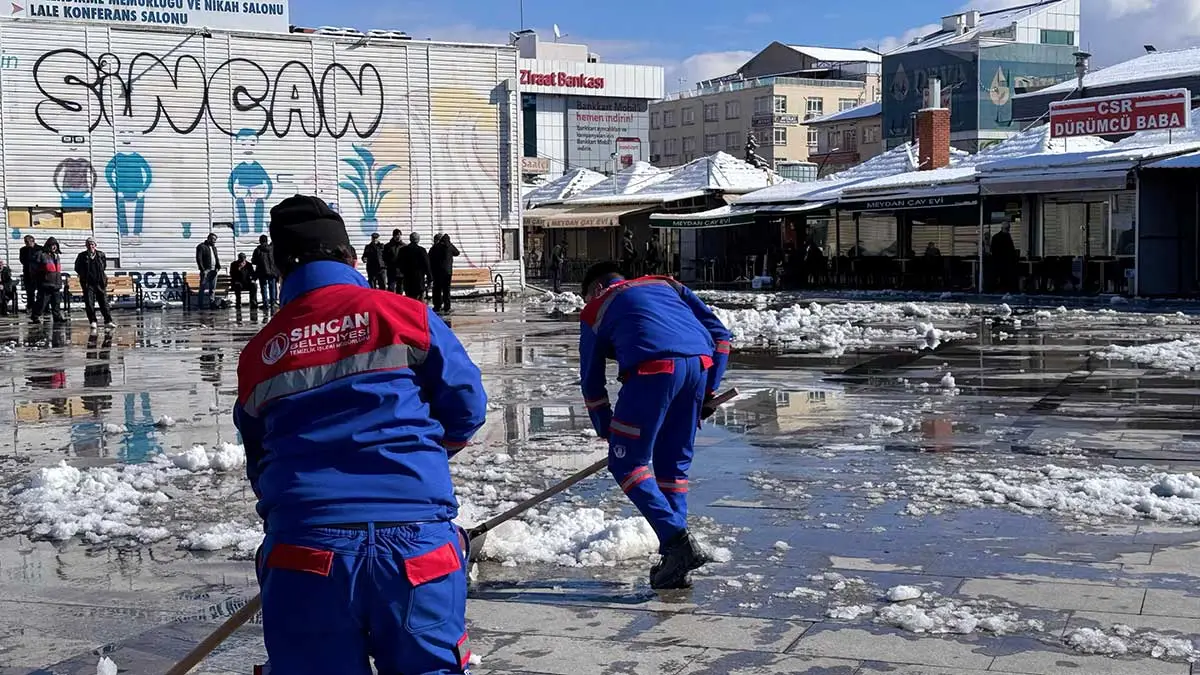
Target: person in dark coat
column 629, row 258
column 653, row 257
column 1004, row 259
column 8, row 288
column 267, row 273
column 29, row 254
column 558, row 265
column 441, row 261
column 47, row 275
column 414, row 267
column 241, row 279
column 373, row 258
column 391, row 260
column 91, row 268
column 208, row 262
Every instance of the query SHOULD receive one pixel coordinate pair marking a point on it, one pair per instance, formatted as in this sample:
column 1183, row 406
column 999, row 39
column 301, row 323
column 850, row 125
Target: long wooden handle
column 208, row 644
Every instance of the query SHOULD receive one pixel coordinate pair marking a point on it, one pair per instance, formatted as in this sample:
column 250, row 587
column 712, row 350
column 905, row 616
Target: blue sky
column 703, row 38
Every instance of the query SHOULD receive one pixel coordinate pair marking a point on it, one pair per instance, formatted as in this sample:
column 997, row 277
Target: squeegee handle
column 218, row 636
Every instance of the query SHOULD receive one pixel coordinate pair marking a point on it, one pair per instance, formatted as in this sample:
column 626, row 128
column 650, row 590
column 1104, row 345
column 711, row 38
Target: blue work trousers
column 652, row 439
column 333, row 599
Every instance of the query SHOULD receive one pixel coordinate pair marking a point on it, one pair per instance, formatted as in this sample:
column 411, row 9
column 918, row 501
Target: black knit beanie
column 302, row 225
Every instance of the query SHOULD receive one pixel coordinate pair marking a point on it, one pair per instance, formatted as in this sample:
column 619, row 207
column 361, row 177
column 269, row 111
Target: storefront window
column 529, row 125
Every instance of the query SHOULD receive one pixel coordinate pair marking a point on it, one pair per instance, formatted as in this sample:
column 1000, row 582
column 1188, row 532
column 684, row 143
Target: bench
column 123, row 287
column 191, row 287
column 472, row 278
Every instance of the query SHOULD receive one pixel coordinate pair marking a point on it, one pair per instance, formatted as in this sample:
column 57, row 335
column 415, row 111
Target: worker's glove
column 708, row 408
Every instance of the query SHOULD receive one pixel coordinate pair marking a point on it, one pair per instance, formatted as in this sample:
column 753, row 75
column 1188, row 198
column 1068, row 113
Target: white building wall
column 179, row 132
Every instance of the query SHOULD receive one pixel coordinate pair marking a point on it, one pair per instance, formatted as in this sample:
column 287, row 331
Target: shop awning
column 1022, row 182
column 724, row 216
column 598, row 216
column 540, row 216
column 936, row 197
column 1188, row 161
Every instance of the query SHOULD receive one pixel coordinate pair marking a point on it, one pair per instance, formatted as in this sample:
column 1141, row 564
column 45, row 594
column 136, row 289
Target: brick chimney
column 933, row 131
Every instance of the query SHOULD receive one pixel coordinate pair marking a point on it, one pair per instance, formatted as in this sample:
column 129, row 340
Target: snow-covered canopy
column 856, row 113
column 1152, row 67
column 717, row 173
column 564, row 187
column 626, row 181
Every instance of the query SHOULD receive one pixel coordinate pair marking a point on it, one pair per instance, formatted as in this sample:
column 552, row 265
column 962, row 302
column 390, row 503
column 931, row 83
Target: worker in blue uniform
column 671, row 351
column 350, row 403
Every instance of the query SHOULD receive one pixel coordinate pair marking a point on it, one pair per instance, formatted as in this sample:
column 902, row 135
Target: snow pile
column 1125, row 640
column 849, row 612
column 903, row 593
column 165, row 422
column 1178, row 356
column 835, row 328
column 570, row 537
column 244, row 540
column 948, row 617
column 104, row 503
column 782, row 546
column 115, row 429
column 227, row 457
column 802, row 593
column 1088, row 494
column 106, row 666
column 558, row 302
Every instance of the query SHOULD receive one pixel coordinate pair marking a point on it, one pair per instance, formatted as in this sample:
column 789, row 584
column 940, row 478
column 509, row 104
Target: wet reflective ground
column 1011, row 477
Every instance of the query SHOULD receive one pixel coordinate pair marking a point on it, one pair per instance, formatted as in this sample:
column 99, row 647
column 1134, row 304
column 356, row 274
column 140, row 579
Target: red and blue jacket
column 643, row 320
column 350, row 403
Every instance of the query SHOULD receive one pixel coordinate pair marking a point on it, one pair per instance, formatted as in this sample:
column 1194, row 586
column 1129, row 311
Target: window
column 689, row 116
column 780, row 136
column 529, row 125
column 814, row 107
column 712, row 142
column 814, row 138
column 764, row 137
column 733, row 140
column 780, row 104
column 689, row 144
column 654, row 147
column 710, row 113
column 762, row 105
column 834, row 139
column 1058, row 37
column 847, row 104
column 870, row 135
column 671, row 147
column 655, row 119
column 850, row 140
column 668, row 118
column 733, row 110
column 508, row 244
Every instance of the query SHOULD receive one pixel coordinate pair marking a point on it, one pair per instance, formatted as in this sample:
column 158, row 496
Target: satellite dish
column 557, row 32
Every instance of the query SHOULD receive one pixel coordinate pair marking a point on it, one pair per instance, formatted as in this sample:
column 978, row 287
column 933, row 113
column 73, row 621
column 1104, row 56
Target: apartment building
column 770, row 98
column 847, row 138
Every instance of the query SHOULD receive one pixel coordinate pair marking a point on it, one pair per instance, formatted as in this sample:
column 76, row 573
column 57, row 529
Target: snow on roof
column 1142, row 146
column 988, row 22
column 719, row 172
column 1035, row 141
column 1146, row 68
column 895, row 161
column 839, row 55
column 564, row 187
column 626, row 181
column 860, row 112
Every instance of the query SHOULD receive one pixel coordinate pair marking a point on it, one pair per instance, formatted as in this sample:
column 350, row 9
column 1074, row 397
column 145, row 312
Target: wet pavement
column 1034, row 495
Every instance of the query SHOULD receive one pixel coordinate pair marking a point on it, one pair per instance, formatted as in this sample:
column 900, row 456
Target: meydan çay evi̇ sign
column 253, row 15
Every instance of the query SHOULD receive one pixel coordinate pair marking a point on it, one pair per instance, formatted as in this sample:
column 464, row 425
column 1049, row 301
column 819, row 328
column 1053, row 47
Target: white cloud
column 704, row 66
column 1166, row 24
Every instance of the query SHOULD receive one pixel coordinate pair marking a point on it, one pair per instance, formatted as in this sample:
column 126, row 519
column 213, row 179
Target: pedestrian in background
column 267, row 273
column 29, row 254
column 241, row 280
column 391, row 261
column 91, row 267
column 8, row 288
column 48, row 278
column 558, row 265
column 441, row 260
column 373, row 259
column 209, row 263
column 414, row 267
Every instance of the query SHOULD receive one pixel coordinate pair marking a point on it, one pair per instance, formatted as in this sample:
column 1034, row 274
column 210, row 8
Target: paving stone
column 574, row 656
column 857, row 643
column 1047, row 662
column 1057, row 595
column 1160, row 624
column 1161, row 602
column 721, row 632
column 893, row 669
column 543, row 619
column 720, row 662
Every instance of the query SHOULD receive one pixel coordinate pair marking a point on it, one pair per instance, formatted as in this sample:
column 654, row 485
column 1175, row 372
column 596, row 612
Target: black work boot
column 680, row 556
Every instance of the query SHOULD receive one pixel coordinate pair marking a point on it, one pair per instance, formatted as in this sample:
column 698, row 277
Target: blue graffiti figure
column 249, row 181
column 75, row 180
column 129, row 176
